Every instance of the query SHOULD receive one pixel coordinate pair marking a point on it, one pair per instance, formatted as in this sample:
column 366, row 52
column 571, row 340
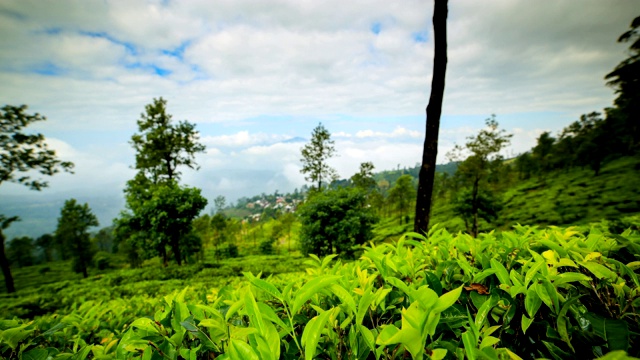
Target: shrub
column 335, row 221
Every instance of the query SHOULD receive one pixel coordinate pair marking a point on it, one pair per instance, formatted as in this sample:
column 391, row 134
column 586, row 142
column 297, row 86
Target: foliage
column 334, row 222
column 46, row 243
column 402, row 196
column 72, row 233
column 160, row 217
column 481, row 165
column 21, row 154
column 162, row 146
column 315, row 155
column 20, row 251
column 363, row 179
column 25, row 152
column 488, row 205
column 625, row 79
column 526, row 293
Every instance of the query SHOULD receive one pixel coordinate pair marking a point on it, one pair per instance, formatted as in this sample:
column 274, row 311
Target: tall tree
column 363, row 179
column 219, row 203
column 434, row 110
column 20, row 251
column 72, row 231
column 46, row 243
column 21, row 154
column 162, row 146
column 482, row 160
column 315, row 155
column 625, row 79
column 161, row 217
column 401, row 195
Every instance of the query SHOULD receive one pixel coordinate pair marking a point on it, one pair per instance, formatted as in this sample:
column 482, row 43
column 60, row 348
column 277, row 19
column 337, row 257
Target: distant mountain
column 39, row 212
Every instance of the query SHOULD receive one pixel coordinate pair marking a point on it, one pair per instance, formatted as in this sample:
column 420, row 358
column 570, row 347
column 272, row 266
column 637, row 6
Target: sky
column 257, row 76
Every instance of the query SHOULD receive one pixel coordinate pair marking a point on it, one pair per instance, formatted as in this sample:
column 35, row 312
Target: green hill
column 570, row 197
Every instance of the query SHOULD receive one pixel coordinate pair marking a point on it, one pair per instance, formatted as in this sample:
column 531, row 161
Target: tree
column 287, row 221
column 22, row 153
column 46, row 243
column 625, row 79
column 434, row 110
column 402, row 195
column 104, row 239
column 334, row 221
column 219, row 203
column 160, row 216
column 363, row 179
column 162, row 146
column 542, row 152
column 315, row 155
column 20, row 251
column 72, row 231
column 483, row 159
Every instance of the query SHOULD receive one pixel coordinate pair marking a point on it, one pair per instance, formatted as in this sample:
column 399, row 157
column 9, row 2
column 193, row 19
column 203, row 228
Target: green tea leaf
column 532, row 302
column 311, row 334
column 265, row 286
column 501, row 272
column 526, row 322
column 240, row 350
column 311, row 288
column 447, row 300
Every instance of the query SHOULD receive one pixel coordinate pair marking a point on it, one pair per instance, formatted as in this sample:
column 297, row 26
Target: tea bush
column 527, row 293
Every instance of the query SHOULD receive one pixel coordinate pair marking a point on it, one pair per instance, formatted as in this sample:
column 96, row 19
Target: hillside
column 568, row 197
column 572, row 197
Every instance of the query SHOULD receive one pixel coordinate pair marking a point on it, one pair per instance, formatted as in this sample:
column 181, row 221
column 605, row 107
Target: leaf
column 311, row 288
column 484, row 310
column 488, row 341
column 447, row 300
column 240, row 350
column 363, row 304
column 265, row 286
column 526, row 322
column 532, row 302
column 469, row 345
column 15, row 335
column 481, row 289
column 567, row 277
column 532, row 272
column 35, row 354
column 501, row 272
column 344, row 296
column 438, row 354
column 311, row 334
column 562, row 321
column 253, row 311
column 600, row 271
column 615, row 332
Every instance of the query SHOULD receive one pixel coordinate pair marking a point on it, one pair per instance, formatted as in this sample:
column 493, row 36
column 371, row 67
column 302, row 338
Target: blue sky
column 253, row 74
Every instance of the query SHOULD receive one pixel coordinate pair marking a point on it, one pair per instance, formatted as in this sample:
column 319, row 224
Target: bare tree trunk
column 6, row 270
column 474, row 207
column 434, row 110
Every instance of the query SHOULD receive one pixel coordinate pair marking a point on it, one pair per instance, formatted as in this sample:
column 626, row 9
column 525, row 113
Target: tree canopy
column 72, row 231
column 162, row 145
column 315, row 155
column 334, row 221
column 20, row 154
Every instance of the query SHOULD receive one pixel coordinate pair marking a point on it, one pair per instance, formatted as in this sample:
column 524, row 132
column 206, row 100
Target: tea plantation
column 524, row 293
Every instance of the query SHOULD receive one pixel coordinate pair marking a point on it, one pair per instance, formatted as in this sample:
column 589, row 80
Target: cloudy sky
column 255, row 74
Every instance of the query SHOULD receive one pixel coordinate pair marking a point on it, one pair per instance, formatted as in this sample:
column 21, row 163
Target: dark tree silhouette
column 434, row 110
